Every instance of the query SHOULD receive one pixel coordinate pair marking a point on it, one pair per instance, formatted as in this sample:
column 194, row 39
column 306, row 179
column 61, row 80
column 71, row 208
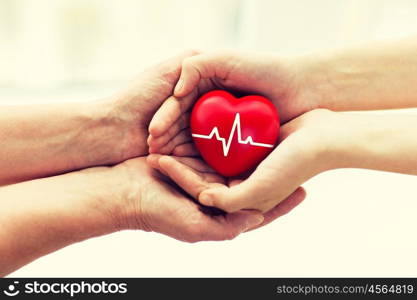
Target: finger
column 257, row 191
column 284, row 207
column 224, row 198
column 202, row 66
column 172, row 109
column 195, row 163
column 165, row 116
column 169, row 112
column 187, row 149
column 189, row 179
column 228, row 227
column 159, row 141
column 275, row 178
column 234, row 182
column 239, row 195
column 153, row 161
column 182, row 137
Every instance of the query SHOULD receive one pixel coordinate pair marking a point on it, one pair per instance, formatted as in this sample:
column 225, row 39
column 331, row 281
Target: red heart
column 232, row 134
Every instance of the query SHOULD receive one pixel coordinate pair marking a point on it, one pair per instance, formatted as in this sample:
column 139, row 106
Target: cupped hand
column 132, row 108
column 195, row 177
column 152, row 202
column 304, row 150
column 284, row 81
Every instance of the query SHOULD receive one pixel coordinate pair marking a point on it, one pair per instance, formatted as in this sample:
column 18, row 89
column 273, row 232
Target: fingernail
column 205, row 199
column 253, row 221
column 179, row 86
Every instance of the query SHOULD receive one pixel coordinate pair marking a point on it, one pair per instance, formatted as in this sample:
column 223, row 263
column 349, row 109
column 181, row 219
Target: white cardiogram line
column 227, row 143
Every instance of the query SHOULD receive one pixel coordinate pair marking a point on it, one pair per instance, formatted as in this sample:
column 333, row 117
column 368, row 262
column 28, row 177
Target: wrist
column 115, row 137
column 351, row 140
column 98, row 210
column 101, row 135
column 127, row 212
column 313, row 80
column 41, row 224
column 328, row 139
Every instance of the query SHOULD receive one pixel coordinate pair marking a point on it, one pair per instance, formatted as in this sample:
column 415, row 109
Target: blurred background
column 62, row 43
column 353, row 222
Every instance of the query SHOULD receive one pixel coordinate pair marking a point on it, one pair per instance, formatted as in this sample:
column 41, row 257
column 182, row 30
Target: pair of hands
column 300, row 155
column 156, row 203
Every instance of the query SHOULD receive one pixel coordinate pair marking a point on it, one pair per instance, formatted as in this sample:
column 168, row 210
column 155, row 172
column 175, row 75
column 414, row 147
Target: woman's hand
column 285, row 82
column 195, row 177
column 316, row 141
column 305, row 149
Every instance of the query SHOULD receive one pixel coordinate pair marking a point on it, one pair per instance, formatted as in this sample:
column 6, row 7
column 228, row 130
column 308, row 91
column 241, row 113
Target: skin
column 42, row 215
column 72, row 136
column 380, row 76
column 308, row 146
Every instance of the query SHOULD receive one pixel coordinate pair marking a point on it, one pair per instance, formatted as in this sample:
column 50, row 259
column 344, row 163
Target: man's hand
column 195, row 177
column 132, row 109
column 44, row 140
column 154, row 203
column 41, row 216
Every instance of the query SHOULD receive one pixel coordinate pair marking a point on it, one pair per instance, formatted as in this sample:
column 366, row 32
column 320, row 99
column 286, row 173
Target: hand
column 132, row 109
column 285, row 82
column 304, row 151
column 195, row 177
column 101, row 200
column 153, row 203
column 279, row 80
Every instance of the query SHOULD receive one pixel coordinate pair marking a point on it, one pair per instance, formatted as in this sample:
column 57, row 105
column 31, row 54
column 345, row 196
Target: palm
column 195, row 177
column 169, row 128
column 163, row 208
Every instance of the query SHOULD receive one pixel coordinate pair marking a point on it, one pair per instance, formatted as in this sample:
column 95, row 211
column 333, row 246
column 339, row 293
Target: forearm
column 43, row 140
column 379, row 142
column 41, row 216
column 378, row 76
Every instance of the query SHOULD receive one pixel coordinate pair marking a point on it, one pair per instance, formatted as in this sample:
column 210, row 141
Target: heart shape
column 233, row 134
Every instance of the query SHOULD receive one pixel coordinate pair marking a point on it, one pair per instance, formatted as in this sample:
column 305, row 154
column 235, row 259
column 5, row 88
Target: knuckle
column 231, row 235
column 188, row 62
column 198, row 65
column 319, row 112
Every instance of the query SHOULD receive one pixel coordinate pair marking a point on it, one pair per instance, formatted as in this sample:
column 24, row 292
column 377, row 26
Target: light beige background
column 353, row 222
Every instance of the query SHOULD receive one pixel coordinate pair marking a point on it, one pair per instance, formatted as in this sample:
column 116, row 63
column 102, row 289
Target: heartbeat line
column 227, row 143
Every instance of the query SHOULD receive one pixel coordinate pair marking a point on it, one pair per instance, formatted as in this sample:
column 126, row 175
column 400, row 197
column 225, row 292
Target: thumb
column 199, row 67
column 230, row 199
column 274, row 179
column 231, row 225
